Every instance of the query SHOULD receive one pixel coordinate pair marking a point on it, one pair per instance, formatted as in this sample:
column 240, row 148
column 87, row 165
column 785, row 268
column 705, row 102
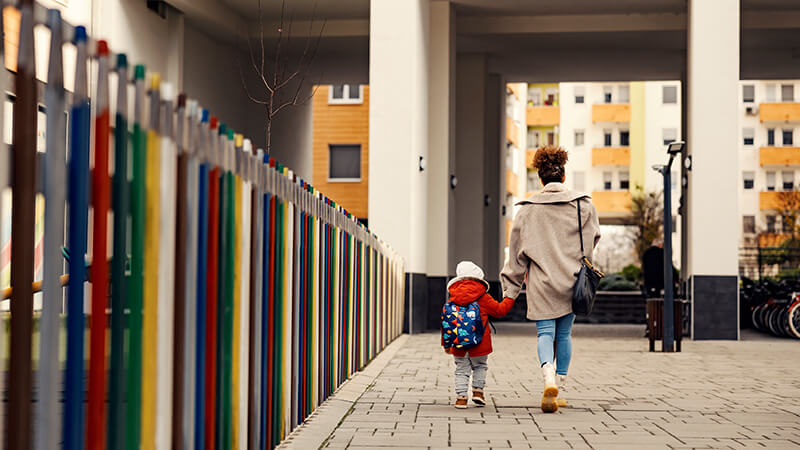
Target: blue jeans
column 560, row 331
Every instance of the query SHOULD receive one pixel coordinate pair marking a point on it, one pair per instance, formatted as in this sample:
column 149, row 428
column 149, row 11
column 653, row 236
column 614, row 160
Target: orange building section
column 512, row 132
column 612, row 201
column 542, row 115
column 611, row 112
column 343, row 124
column 779, row 112
column 11, row 19
column 779, row 156
column 512, row 183
column 611, row 156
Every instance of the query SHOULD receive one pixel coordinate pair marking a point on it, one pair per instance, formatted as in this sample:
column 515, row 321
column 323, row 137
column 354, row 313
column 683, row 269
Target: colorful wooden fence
column 240, row 297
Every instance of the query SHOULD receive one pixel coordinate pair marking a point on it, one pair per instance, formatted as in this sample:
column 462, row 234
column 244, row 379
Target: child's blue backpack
column 462, row 326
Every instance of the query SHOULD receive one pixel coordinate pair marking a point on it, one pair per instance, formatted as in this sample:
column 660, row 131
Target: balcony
column 779, row 156
column 612, row 202
column 779, row 112
column 611, row 156
column 769, row 200
column 772, row 239
column 512, row 132
column 543, row 116
column 611, row 113
column 529, row 155
column 512, row 183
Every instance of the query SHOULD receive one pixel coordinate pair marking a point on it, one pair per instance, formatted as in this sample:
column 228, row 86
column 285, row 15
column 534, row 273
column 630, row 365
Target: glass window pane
column 607, row 138
column 748, row 178
column 749, row 135
column 355, row 91
column 770, row 91
column 787, row 176
column 578, row 138
column 748, row 93
column 787, row 92
column 623, row 94
column 771, row 136
column 345, row 162
column 770, row 181
column 624, row 138
column 749, row 224
column 669, row 135
column 607, row 94
column 670, row 94
column 607, row 181
column 338, row 91
column 770, row 224
column 787, row 138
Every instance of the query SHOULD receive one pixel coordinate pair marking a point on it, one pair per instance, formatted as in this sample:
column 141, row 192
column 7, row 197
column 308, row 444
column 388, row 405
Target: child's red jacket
column 463, row 293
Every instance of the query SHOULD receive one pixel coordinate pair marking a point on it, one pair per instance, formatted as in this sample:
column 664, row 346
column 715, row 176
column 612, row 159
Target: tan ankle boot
column 477, row 397
column 461, row 402
column 562, row 382
column 549, row 403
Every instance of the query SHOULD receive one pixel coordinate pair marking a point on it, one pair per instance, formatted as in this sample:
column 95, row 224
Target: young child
column 467, row 287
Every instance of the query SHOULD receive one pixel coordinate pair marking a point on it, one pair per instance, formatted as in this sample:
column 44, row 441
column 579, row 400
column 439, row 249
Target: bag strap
column 580, row 226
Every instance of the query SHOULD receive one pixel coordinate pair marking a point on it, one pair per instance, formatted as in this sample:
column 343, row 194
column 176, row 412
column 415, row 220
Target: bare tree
column 647, row 209
column 281, row 80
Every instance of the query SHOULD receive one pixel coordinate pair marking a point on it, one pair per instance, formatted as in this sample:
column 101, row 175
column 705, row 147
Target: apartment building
column 340, row 144
column 769, row 157
column 614, row 133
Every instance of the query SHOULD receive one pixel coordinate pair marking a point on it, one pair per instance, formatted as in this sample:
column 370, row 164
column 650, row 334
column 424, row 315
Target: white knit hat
column 468, row 270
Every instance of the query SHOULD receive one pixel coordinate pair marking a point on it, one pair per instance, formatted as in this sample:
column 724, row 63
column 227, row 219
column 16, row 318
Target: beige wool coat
column 544, row 247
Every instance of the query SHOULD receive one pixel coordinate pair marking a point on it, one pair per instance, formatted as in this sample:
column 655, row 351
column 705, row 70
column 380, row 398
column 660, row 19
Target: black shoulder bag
column 584, row 291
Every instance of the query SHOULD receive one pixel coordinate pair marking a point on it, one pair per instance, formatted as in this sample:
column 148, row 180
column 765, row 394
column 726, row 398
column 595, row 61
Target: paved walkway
column 713, row 395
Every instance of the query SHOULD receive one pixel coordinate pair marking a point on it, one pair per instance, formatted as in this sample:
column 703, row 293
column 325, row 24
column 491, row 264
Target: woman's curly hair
column 549, row 161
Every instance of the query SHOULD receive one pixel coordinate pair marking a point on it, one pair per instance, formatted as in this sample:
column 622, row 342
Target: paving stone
column 621, row 397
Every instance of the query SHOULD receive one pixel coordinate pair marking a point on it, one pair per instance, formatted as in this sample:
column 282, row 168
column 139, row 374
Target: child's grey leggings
column 464, row 367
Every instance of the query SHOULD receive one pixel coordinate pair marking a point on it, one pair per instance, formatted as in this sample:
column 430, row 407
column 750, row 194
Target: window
column 749, row 224
column 534, row 182
column 624, row 181
column 345, row 94
column 579, row 138
column 533, row 138
column 551, row 138
column 624, row 94
column 669, row 94
column 770, row 93
column 787, row 92
column 770, row 136
column 787, row 223
column 787, row 137
column 551, row 97
column 748, row 93
column 771, row 224
column 787, row 176
column 624, row 138
column 749, row 179
column 607, row 138
column 770, row 181
column 607, row 181
column 344, row 162
column 606, row 94
column 579, row 95
column 749, row 135
column 535, row 97
column 579, row 181
column 669, row 135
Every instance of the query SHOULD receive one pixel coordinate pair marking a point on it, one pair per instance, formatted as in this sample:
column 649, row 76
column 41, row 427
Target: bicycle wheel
column 755, row 316
column 772, row 321
column 794, row 319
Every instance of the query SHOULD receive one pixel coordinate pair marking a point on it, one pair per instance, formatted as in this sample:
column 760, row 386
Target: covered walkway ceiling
column 541, row 40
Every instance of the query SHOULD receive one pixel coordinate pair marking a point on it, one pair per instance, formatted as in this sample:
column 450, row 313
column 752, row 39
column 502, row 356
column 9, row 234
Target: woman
column 544, row 247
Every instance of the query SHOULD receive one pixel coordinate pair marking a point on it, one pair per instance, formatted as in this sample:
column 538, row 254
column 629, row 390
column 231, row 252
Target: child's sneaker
column 477, row 397
column 461, row 402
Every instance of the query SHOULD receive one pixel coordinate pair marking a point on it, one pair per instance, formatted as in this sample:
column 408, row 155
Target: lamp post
column 668, row 341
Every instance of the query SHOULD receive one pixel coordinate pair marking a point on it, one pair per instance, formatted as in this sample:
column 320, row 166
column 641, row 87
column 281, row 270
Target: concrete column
column 470, row 147
column 398, row 138
column 492, row 162
column 712, row 78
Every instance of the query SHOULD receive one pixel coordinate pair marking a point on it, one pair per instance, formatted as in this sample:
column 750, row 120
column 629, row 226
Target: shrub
column 632, row 273
column 616, row 282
